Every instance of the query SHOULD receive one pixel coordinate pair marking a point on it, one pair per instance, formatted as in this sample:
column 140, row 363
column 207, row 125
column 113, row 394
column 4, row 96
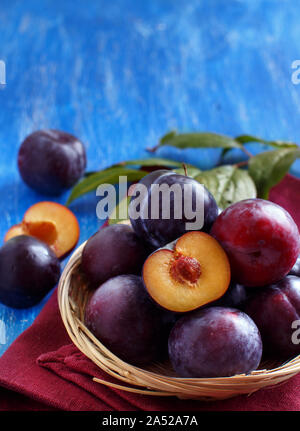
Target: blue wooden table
column 119, row 74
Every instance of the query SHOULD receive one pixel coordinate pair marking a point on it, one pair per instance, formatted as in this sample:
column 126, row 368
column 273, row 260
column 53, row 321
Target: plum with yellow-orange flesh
column 195, row 272
column 15, row 230
column 51, row 223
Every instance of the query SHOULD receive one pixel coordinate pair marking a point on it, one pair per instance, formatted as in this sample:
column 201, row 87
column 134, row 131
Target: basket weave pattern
column 157, row 379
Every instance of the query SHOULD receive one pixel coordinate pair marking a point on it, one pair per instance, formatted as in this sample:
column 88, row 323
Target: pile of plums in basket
column 214, row 301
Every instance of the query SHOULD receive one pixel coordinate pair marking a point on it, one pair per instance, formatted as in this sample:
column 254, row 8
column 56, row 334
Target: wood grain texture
column 120, row 74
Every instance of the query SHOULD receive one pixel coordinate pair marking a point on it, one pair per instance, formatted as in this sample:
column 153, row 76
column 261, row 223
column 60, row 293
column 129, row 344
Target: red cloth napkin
column 43, row 370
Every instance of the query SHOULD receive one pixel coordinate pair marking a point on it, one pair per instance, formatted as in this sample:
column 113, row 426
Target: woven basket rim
column 144, row 381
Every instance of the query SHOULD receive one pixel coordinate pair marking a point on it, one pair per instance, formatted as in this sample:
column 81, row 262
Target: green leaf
column 121, row 208
column 88, row 173
column 168, row 136
column 244, row 139
column 197, row 140
column 268, row 168
column 228, row 184
column 190, row 170
column 107, row 176
column 153, row 161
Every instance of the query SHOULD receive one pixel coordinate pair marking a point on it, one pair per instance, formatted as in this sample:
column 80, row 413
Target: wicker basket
column 157, row 379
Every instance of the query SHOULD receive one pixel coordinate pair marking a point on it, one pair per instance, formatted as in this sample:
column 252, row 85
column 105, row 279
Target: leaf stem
column 247, row 152
column 152, row 150
column 241, row 164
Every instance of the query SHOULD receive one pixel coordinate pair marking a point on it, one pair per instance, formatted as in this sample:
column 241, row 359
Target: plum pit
column 185, row 269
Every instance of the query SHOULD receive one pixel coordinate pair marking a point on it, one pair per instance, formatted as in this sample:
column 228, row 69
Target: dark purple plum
column 123, row 317
column 29, row 269
column 51, row 161
column 137, row 224
column 160, row 230
column 296, row 268
column 112, row 251
column 274, row 309
column 235, row 297
column 215, row 342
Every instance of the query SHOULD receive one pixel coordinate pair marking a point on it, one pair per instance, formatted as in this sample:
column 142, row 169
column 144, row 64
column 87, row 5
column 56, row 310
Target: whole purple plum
column 296, row 268
column 29, row 269
column 276, row 311
column 51, row 161
column 261, row 240
column 159, row 221
column 111, row 251
column 235, row 296
column 122, row 316
column 215, row 342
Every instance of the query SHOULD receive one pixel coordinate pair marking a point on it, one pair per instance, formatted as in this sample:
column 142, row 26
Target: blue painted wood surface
column 120, row 74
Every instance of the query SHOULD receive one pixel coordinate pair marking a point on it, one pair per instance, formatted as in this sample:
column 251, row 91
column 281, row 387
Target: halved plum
column 195, row 272
column 51, row 223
